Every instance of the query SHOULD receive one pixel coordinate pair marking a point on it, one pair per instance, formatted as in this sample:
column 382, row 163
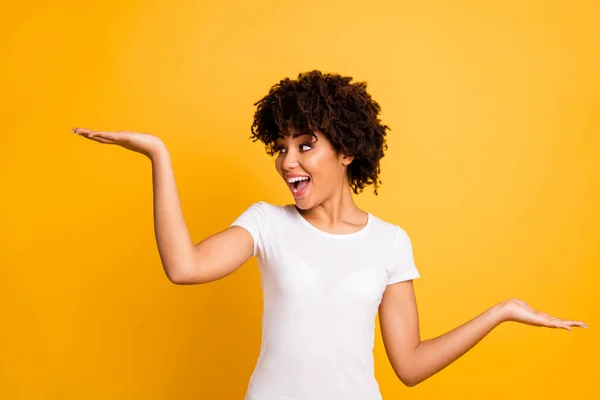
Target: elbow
column 409, row 379
column 410, row 382
column 179, row 276
column 176, row 280
column 409, row 371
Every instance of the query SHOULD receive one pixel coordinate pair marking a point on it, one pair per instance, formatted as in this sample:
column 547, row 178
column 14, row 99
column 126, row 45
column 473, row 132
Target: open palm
column 143, row 143
column 519, row 311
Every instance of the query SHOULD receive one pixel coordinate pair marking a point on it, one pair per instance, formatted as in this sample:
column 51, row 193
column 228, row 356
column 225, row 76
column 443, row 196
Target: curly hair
column 344, row 112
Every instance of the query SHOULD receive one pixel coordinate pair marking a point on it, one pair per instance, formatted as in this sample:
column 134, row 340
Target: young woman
column 327, row 267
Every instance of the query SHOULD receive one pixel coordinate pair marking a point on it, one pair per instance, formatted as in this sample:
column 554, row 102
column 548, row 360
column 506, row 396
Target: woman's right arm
column 185, row 264
column 213, row 258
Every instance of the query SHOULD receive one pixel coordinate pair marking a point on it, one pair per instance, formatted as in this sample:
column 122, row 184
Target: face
column 313, row 157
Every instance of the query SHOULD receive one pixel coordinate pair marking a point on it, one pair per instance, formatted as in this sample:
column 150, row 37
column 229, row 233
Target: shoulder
column 387, row 229
column 263, row 210
column 267, row 207
column 401, row 265
column 263, row 205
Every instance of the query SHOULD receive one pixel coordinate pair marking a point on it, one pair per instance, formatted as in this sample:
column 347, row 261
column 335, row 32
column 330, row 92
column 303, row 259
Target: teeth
column 299, row 178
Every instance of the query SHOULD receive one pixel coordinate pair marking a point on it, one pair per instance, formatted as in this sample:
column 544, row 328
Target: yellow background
column 493, row 169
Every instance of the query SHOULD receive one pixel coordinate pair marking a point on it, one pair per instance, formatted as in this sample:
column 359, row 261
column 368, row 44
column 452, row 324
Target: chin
column 302, row 204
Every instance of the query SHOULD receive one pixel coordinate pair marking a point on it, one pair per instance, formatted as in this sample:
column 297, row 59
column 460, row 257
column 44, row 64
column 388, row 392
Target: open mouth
column 299, row 188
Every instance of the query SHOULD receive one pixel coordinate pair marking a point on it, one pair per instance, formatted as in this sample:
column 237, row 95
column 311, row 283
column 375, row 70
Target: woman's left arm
column 414, row 360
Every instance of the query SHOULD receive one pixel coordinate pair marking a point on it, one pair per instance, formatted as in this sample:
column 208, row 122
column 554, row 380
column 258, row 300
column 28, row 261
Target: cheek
column 324, row 164
column 319, row 160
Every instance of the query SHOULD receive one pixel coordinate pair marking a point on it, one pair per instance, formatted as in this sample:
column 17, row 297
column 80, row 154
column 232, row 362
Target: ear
column 346, row 160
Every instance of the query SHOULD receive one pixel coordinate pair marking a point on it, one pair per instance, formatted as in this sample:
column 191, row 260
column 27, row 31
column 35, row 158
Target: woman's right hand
column 143, row 143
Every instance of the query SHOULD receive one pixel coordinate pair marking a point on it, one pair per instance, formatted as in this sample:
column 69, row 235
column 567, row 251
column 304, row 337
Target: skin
column 330, row 207
column 328, row 203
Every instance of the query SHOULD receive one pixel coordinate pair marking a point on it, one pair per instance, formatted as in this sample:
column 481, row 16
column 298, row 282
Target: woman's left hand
column 519, row 311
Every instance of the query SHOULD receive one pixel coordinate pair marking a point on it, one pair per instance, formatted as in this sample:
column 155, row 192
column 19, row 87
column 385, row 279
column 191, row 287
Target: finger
column 116, row 136
column 556, row 323
column 569, row 322
column 91, row 133
column 574, row 323
column 101, row 139
column 80, row 130
column 563, row 325
column 551, row 322
column 83, row 132
column 105, row 135
column 567, row 328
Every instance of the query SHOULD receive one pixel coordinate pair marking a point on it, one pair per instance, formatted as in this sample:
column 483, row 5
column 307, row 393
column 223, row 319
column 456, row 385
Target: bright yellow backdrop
column 493, row 169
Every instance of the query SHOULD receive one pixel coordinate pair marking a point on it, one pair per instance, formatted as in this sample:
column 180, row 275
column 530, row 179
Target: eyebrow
column 297, row 134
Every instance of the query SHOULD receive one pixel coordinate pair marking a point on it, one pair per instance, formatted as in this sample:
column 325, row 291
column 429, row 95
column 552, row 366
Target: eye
column 281, row 149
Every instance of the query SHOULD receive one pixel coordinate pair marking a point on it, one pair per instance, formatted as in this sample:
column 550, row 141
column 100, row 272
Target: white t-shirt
column 321, row 295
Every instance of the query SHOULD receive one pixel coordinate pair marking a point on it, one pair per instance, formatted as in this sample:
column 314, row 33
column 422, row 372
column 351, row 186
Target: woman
column 326, row 266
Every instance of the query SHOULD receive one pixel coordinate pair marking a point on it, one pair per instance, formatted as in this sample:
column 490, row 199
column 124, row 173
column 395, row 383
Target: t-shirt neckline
column 334, row 235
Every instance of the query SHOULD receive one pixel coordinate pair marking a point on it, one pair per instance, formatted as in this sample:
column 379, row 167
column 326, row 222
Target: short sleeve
column 256, row 221
column 402, row 267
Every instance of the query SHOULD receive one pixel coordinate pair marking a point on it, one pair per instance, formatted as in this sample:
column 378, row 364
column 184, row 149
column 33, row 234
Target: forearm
column 433, row 355
column 172, row 237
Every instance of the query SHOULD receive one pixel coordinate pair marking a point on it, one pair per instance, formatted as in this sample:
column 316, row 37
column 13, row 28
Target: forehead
column 293, row 136
column 297, row 134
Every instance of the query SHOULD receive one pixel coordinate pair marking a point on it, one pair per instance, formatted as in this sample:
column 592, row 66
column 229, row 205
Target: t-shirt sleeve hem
column 256, row 220
column 254, row 237
column 404, row 277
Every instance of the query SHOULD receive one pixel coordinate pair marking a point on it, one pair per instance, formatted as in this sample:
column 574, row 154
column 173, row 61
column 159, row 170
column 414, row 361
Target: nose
column 289, row 161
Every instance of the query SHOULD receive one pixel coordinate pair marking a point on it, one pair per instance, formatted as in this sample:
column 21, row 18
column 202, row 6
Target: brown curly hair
column 344, row 112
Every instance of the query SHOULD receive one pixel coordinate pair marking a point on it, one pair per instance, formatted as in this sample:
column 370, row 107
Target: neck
column 338, row 208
